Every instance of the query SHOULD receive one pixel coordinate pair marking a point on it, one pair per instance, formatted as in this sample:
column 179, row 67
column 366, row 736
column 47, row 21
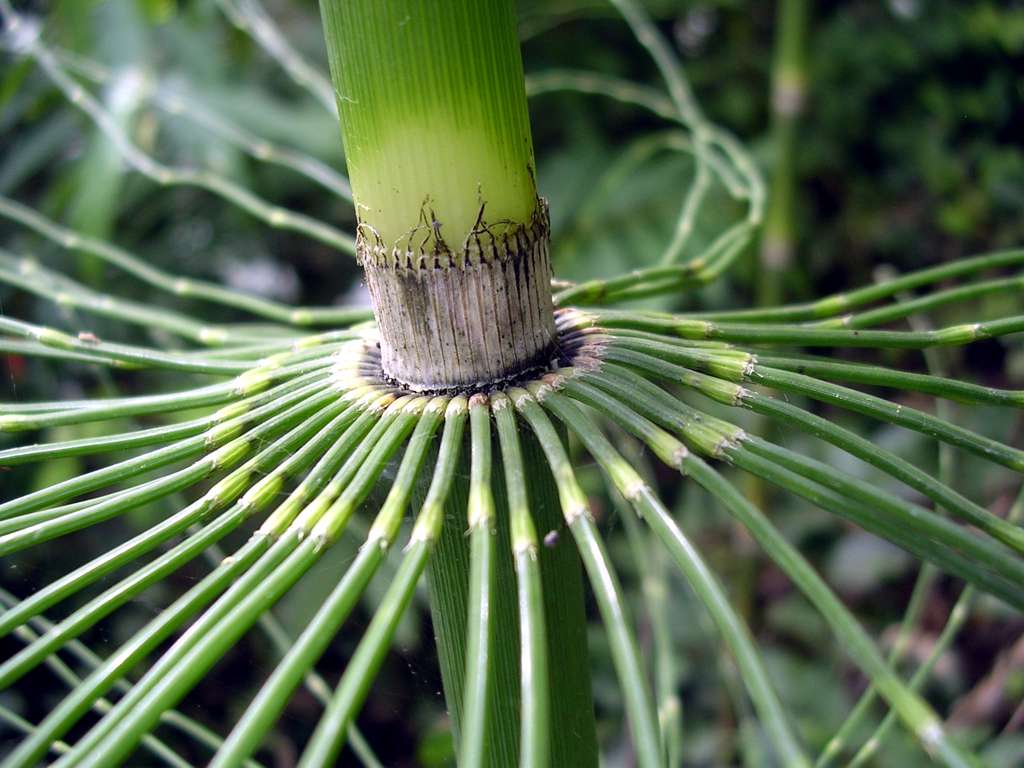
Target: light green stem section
column 433, row 113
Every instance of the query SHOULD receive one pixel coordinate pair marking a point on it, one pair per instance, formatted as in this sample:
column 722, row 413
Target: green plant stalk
column 165, row 175
column 789, row 85
column 157, row 747
column 873, row 375
column 655, row 590
column 854, row 444
column 642, row 717
column 27, row 275
column 321, row 486
column 957, row 617
column 433, row 115
column 936, row 363
column 535, row 692
column 572, row 727
column 184, row 287
column 437, row 140
column 251, row 18
column 788, row 97
column 686, row 327
column 218, row 457
column 355, row 683
column 449, row 577
column 253, row 382
column 837, row 304
column 906, row 307
column 452, row 237
column 82, row 653
column 167, row 563
column 862, row 503
column 222, row 447
column 177, row 101
column 272, row 698
column 480, row 626
column 222, row 493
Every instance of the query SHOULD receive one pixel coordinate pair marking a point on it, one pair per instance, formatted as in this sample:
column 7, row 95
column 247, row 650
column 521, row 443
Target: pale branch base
column 466, row 319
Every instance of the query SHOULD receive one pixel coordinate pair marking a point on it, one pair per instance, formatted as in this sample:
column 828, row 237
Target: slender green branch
column 656, row 592
column 686, row 327
column 911, row 307
column 700, row 270
column 184, row 724
column 225, row 444
column 873, row 375
column 954, row 623
column 249, row 390
column 178, row 101
column 639, row 706
column 273, row 696
column 789, row 86
column 864, row 449
column 533, row 664
column 113, row 354
column 322, row 485
column 711, row 593
column 30, row 276
column 165, row 175
column 913, row 710
column 184, row 287
column 252, row 500
column 839, row 303
column 285, row 562
column 935, row 360
column 480, row 629
column 250, row 17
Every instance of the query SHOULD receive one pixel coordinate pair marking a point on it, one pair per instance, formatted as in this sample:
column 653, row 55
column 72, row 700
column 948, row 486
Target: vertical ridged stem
column 451, row 233
column 449, row 577
column 572, row 727
column 789, row 84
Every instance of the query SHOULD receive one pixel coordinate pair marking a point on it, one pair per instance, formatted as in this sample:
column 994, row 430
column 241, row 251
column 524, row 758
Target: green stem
column 535, row 693
column 480, row 629
column 571, row 722
column 789, row 83
column 433, row 115
column 643, row 720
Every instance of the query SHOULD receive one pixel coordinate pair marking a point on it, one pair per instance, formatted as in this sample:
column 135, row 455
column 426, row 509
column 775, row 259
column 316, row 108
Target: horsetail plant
column 469, row 392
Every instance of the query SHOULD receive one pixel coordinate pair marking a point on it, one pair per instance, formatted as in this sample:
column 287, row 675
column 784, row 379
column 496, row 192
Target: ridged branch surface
column 467, row 318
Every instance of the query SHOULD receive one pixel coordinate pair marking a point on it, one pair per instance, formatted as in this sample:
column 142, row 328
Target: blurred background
column 909, row 151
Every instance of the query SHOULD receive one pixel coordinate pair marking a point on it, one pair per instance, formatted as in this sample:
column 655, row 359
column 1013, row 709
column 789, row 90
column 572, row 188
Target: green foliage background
column 911, row 152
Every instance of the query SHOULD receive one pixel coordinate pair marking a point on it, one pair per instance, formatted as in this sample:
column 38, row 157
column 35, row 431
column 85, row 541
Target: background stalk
column 789, row 86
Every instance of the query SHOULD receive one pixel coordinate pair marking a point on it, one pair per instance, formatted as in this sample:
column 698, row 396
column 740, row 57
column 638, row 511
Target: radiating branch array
column 298, row 429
